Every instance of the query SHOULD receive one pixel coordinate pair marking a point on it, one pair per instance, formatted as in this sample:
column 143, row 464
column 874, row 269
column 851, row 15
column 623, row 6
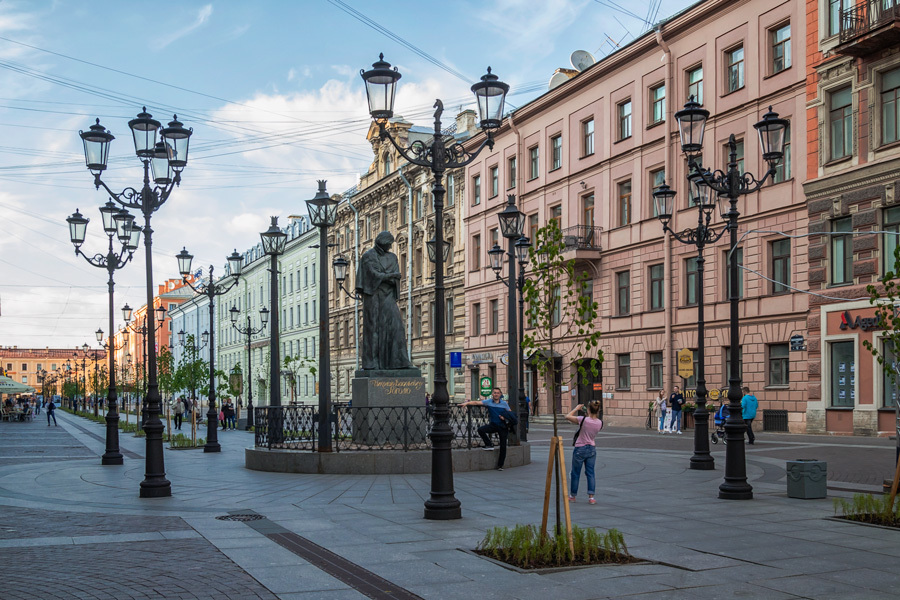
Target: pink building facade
column 590, row 153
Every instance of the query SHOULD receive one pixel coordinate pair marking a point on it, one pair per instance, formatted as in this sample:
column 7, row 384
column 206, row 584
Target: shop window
column 779, row 365
column 891, row 384
column 623, row 371
column 843, row 374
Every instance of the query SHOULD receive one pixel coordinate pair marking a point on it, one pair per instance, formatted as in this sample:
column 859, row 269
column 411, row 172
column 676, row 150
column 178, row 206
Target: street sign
column 487, row 384
column 797, row 343
column 456, row 360
column 686, row 363
column 504, row 359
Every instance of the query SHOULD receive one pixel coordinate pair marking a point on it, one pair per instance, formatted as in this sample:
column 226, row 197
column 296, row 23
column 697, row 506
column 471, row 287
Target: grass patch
column 526, row 547
column 181, row 441
column 866, row 508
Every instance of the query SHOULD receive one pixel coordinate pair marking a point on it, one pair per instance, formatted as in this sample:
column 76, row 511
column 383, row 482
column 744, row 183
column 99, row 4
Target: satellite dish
column 557, row 80
column 581, row 60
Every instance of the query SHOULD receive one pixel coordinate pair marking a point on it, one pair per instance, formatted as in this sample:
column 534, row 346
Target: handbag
column 575, row 439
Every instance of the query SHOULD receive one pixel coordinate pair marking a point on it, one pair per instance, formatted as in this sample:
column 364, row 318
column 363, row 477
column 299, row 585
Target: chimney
column 465, row 122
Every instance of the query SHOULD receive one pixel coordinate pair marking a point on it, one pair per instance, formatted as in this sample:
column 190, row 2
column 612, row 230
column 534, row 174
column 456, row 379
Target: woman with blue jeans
column 585, row 453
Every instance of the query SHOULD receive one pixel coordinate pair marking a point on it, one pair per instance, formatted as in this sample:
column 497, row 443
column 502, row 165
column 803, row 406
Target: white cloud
column 203, row 16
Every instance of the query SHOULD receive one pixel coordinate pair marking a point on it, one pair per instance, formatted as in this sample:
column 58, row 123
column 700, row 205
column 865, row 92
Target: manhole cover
column 240, row 518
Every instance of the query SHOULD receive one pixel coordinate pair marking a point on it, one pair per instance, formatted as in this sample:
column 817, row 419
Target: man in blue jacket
column 496, row 407
column 749, row 404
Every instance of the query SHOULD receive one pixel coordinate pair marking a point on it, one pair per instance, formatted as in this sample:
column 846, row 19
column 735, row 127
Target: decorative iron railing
column 862, row 17
column 582, row 237
column 400, row 428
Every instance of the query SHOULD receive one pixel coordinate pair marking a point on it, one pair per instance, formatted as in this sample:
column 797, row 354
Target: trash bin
column 807, row 478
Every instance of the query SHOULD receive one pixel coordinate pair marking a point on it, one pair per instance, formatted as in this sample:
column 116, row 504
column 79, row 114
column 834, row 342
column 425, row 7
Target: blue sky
column 273, row 92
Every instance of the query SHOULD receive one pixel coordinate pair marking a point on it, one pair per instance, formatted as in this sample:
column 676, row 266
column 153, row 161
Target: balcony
column 583, row 241
column 869, row 26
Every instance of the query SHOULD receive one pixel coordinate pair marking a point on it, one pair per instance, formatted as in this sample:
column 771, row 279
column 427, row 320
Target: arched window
column 387, row 163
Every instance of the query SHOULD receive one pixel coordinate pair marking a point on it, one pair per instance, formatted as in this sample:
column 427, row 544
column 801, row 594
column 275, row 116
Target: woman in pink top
column 585, row 452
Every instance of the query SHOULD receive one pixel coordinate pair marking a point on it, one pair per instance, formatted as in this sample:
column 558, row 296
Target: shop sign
column 479, row 358
column 487, row 385
column 685, row 363
column 456, row 360
column 598, row 387
column 864, row 323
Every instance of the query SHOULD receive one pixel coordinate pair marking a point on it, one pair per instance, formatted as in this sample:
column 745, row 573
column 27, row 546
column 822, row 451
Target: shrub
column 867, row 508
column 182, row 441
column 527, row 547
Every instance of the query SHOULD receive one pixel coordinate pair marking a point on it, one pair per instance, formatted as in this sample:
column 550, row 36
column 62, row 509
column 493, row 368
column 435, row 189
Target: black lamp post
column 512, row 225
column 249, row 331
column 117, row 222
column 523, row 245
column 68, row 368
column 160, row 312
column 728, row 185
column 490, row 93
column 322, row 211
column 211, row 289
column 273, row 242
column 165, row 159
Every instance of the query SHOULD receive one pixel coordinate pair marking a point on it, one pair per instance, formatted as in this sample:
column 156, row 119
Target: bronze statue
column 378, row 282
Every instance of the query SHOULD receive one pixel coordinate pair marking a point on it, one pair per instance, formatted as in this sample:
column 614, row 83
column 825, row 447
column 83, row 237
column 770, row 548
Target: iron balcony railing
column 401, row 428
column 582, row 237
column 863, row 17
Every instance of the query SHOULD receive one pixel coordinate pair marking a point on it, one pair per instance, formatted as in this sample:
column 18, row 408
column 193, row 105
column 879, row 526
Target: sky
column 273, row 93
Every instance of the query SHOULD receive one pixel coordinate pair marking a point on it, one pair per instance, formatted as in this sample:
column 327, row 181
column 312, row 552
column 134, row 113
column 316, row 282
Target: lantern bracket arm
column 248, row 330
column 436, row 156
column 353, row 295
column 212, row 288
column 697, row 236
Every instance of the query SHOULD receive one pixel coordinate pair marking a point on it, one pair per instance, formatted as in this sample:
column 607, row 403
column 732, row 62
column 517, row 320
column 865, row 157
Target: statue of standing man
column 378, row 281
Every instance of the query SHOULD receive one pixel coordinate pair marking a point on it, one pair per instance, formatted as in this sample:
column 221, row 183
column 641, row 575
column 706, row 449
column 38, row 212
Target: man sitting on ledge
column 496, row 407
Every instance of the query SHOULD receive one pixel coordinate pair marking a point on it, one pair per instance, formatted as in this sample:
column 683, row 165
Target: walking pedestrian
column 659, row 409
column 228, row 409
column 179, row 412
column 676, row 401
column 534, row 406
column 51, row 413
column 496, row 406
column 749, row 405
column 585, row 451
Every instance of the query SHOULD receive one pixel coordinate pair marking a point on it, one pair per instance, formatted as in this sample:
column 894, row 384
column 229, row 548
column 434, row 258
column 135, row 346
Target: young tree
column 192, row 371
column 559, row 310
column 165, row 368
column 293, row 367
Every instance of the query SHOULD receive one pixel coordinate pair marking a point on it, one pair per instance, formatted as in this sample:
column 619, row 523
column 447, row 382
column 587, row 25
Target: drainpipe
column 356, row 258
column 667, row 239
column 409, row 258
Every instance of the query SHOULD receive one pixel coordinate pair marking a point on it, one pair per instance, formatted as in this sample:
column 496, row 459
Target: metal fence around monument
column 398, row 428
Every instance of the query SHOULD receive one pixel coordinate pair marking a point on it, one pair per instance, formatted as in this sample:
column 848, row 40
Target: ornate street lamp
column 160, row 318
column 168, row 157
column 117, row 223
column 322, row 210
column 490, row 93
column 249, row 331
column 731, row 185
column 210, row 289
column 273, row 242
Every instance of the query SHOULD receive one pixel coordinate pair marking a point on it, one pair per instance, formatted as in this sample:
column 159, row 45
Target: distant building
column 26, row 365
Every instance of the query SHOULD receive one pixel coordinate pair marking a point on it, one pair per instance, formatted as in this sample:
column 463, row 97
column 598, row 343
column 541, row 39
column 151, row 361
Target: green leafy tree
column 294, row 366
column 558, row 310
column 165, row 373
column 192, row 370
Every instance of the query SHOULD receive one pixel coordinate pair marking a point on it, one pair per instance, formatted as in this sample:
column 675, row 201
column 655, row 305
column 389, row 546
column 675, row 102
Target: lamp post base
column 703, row 463
column 443, row 512
column 156, row 489
column 112, row 458
column 212, row 447
column 735, row 492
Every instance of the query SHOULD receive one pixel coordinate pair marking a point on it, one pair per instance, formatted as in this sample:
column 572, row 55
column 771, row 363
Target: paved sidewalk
column 109, row 543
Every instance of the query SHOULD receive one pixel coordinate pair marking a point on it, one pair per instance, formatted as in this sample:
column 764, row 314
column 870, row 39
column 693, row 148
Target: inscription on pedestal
column 389, row 410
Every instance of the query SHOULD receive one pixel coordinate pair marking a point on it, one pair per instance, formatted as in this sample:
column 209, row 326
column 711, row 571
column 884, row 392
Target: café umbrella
column 10, row 386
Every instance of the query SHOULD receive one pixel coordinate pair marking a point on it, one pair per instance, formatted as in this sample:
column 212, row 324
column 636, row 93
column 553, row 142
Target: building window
column 783, row 168
column 557, row 306
column 624, row 193
column 587, row 292
column 892, row 224
column 404, row 208
column 834, row 15
column 556, row 214
column 739, row 155
column 779, row 365
column 451, row 191
column 476, row 252
column 476, row 318
column 533, row 226
column 655, row 375
column 890, row 107
column 587, row 137
column 494, row 326
column 534, row 162
column 889, row 388
column 695, row 84
column 734, row 69
column 495, row 237
column 781, row 48
column 781, row 266
column 495, row 181
column 843, row 374
column 840, row 123
column 623, row 292
column 657, row 178
column 657, row 104
column 623, row 371
column 842, row 251
column 476, row 190
column 739, row 252
column 420, row 205
column 691, row 277
column 624, row 120
column 727, row 369
column 511, row 172
column 448, row 318
column 555, row 152
column 657, row 287
column 417, row 320
column 587, row 211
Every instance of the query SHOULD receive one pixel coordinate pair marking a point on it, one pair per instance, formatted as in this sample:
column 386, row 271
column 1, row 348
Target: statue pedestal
column 389, row 407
